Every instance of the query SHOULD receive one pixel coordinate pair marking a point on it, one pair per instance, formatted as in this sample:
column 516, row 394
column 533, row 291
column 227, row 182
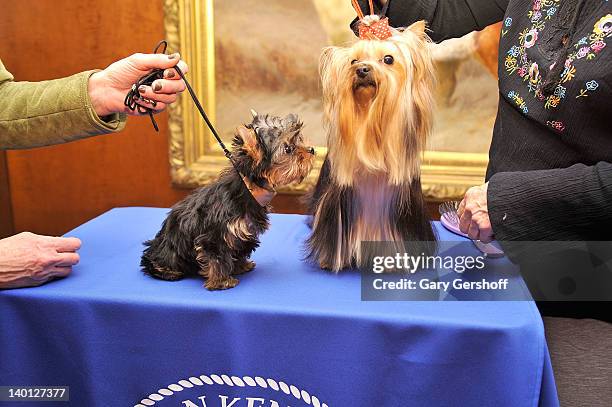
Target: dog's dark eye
column 354, row 61
column 388, row 59
column 288, row 149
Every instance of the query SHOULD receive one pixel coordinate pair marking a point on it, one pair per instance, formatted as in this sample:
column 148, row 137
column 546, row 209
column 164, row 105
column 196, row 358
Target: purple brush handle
column 487, row 248
column 446, row 221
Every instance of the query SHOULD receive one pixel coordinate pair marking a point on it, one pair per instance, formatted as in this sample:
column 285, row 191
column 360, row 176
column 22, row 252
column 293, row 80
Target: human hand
column 474, row 214
column 28, row 260
column 107, row 88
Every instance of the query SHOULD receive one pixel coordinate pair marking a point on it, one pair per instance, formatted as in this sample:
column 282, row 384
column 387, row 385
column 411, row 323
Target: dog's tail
column 145, row 262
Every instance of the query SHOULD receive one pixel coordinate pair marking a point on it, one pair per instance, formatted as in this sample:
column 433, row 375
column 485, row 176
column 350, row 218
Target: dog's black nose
column 311, row 150
column 363, row 71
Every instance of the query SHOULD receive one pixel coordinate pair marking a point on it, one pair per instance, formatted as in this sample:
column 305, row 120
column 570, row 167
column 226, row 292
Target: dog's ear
column 331, row 64
column 249, row 143
column 417, row 28
column 329, row 59
column 291, row 118
column 327, row 53
column 292, row 123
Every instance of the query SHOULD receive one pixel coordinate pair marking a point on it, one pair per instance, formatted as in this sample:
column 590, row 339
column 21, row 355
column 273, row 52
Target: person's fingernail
column 142, row 89
column 157, row 87
column 174, row 56
column 170, row 74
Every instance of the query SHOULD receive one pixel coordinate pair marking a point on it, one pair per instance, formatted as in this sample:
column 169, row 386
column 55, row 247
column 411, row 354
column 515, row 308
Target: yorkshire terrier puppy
column 213, row 231
column 378, row 102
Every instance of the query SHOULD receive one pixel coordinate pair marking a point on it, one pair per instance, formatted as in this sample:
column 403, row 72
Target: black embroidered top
column 550, row 169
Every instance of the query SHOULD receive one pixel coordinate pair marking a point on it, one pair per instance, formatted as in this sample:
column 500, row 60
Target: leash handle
column 132, row 97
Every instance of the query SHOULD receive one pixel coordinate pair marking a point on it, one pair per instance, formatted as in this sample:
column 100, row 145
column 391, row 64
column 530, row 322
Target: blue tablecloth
column 288, row 334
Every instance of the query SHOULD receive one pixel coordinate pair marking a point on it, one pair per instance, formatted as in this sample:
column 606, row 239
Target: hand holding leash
column 107, row 88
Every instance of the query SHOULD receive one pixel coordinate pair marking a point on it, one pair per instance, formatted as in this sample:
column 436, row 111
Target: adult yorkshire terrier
column 378, row 102
column 213, row 231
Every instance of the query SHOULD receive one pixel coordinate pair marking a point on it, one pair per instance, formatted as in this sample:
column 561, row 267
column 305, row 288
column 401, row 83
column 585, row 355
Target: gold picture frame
column 195, row 157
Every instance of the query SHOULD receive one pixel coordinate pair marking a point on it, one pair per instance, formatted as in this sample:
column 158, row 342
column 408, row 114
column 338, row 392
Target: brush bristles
column 449, row 209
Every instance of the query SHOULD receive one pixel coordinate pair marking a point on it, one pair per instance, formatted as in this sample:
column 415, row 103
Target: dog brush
column 450, row 220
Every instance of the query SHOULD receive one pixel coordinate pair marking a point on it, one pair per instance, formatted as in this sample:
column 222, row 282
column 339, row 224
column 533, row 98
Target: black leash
column 133, row 96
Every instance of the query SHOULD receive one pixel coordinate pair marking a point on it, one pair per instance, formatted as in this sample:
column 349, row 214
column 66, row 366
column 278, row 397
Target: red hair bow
column 372, row 27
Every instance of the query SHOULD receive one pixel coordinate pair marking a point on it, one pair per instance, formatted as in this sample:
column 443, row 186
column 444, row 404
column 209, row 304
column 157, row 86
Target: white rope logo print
column 233, row 381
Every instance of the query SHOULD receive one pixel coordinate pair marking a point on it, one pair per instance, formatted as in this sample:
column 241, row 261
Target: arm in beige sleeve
column 34, row 114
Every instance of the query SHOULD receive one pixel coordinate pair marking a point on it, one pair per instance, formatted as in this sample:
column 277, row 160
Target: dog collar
column 263, row 195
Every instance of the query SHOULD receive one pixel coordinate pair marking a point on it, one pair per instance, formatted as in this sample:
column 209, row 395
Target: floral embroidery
column 583, row 52
column 507, row 24
column 517, row 61
column 559, row 91
column 591, row 86
column 520, row 102
column 514, row 51
column 587, row 48
column 534, row 73
column 568, row 73
column 559, row 126
column 510, row 64
column 530, row 38
column 604, row 26
column 552, row 101
column 598, row 45
column 592, row 45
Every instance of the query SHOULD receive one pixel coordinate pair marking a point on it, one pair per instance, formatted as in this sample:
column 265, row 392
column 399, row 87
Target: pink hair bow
column 372, row 27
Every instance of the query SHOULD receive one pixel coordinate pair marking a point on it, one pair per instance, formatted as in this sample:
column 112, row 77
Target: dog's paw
column 226, row 284
column 249, row 266
column 245, row 267
column 165, row 273
column 172, row 276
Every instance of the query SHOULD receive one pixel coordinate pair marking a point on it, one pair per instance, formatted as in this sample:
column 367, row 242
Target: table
column 288, row 335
